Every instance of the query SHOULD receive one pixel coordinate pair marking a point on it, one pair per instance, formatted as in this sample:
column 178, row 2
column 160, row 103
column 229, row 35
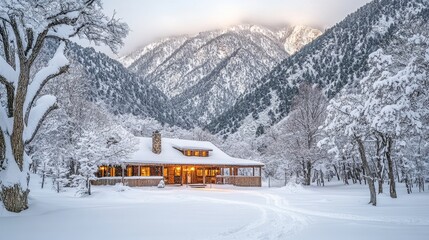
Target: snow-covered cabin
column 178, row 161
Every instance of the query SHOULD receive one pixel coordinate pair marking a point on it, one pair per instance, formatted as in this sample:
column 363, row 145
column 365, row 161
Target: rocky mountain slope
column 338, row 57
column 121, row 90
column 203, row 75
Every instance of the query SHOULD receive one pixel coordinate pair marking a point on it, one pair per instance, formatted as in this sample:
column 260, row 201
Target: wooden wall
column 132, row 182
column 241, row 181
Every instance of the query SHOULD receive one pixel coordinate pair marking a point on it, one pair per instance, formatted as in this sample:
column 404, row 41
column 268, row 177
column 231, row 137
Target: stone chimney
column 156, row 142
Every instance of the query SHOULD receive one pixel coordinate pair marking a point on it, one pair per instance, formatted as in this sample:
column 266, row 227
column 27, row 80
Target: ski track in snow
column 275, row 222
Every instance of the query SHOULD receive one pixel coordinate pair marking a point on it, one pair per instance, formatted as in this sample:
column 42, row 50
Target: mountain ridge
column 335, row 59
column 178, row 64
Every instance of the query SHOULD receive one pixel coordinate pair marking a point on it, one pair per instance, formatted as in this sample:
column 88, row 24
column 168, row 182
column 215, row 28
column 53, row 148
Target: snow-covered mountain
column 338, row 57
column 119, row 89
column 204, row 74
column 297, row 37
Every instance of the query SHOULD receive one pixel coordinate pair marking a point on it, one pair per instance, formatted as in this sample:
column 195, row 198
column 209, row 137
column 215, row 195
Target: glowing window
column 129, row 171
column 177, row 171
column 145, row 171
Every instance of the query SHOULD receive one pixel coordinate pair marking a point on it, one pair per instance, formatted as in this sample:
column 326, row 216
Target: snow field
column 220, row 212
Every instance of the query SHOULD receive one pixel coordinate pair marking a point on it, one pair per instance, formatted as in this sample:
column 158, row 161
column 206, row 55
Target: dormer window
column 193, row 151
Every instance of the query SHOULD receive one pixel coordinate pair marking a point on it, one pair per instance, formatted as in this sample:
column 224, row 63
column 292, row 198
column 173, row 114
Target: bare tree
column 303, row 123
column 24, row 28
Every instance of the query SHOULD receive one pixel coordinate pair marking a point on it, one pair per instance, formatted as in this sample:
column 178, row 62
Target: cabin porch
column 151, row 175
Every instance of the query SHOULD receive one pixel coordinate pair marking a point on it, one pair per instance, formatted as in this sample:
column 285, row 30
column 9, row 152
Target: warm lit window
column 145, row 171
column 165, row 172
column 195, row 153
column 209, row 172
column 102, row 171
column 129, row 171
column 177, row 171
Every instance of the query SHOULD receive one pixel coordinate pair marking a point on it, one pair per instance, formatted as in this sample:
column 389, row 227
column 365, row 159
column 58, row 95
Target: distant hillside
column 203, row 75
column 338, row 57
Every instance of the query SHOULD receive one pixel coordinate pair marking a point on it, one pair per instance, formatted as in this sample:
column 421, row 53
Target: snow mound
column 293, row 187
column 120, row 187
column 161, row 184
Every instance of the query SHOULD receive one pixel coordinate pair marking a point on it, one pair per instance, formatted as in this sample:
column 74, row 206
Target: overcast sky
column 150, row 20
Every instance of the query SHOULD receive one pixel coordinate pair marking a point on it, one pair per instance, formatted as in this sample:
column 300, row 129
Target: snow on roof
column 170, row 155
column 183, row 148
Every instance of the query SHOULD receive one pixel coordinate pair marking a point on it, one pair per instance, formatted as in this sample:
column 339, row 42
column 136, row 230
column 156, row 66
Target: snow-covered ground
column 220, row 212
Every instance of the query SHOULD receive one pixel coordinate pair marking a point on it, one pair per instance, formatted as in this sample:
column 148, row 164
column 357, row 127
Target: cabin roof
column 170, row 155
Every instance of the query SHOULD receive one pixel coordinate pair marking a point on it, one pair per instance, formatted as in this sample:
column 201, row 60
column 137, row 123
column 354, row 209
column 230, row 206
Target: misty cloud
column 150, row 20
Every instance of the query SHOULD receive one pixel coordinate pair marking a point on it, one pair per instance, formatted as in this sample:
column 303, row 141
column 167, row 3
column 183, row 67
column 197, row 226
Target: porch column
column 181, row 175
column 204, row 175
column 139, row 170
column 123, row 172
column 162, row 172
column 253, row 172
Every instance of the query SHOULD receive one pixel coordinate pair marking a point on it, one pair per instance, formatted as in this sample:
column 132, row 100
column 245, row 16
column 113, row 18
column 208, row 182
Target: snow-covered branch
column 56, row 66
column 38, row 113
column 4, row 120
column 8, row 75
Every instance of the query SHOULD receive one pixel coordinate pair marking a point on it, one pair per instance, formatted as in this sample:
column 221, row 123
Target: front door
column 189, row 178
column 177, row 175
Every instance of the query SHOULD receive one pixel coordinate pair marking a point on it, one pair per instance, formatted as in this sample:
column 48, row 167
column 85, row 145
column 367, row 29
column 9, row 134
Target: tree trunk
column 322, row 178
column 307, row 173
column 336, row 172
column 373, row 195
column 380, row 186
column 379, row 166
column 43, row 179
column 390, row 167
column 88, row 183
column 15, row 199
column 346, row 177
column 285, row 178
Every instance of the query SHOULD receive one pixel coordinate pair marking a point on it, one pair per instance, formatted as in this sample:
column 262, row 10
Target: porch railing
column 242, row 181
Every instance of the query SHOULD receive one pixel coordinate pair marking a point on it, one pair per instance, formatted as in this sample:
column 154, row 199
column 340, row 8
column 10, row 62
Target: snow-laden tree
column 105, row 145
column 395, row 92
column 78, row 137
column 346, row 117
column 276, row 154
column 139, row 126
column 24, row 28
column 52, row 148
column 303, row 129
